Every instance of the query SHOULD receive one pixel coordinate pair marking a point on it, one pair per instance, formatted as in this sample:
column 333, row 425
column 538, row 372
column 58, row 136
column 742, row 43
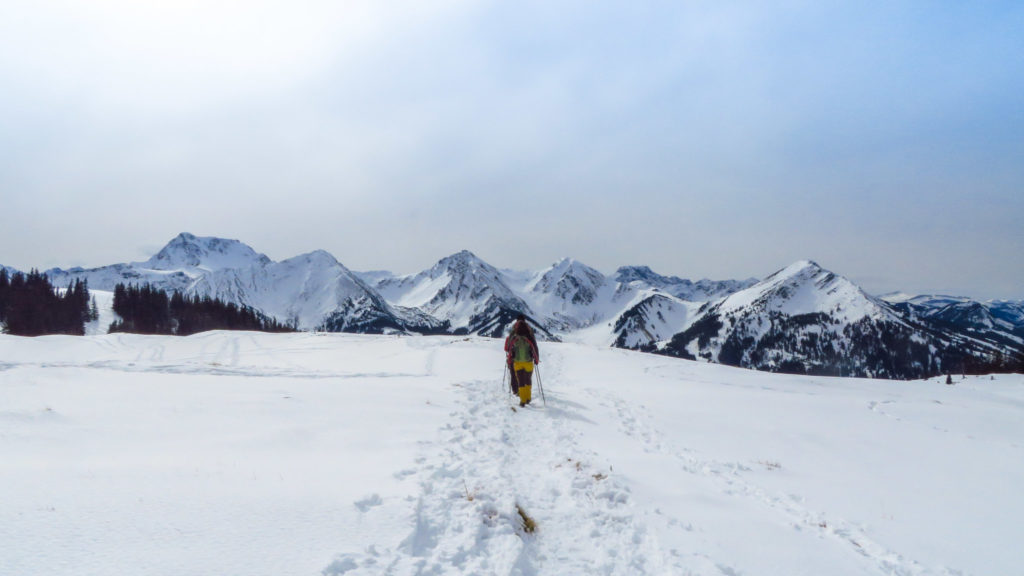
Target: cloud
column 707, row 139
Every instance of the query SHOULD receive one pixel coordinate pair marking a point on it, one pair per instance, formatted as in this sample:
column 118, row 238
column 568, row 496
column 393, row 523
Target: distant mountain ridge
column 802, row 319
column 805, row 319
column 701, row 290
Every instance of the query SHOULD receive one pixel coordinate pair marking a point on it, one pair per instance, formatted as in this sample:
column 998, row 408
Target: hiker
column 521, row 354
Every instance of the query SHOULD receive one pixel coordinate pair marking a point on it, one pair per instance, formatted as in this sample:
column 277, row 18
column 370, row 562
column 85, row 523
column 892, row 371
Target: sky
column 721, row 139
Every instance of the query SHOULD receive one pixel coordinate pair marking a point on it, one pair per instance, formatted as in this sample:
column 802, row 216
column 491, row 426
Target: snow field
column 243, row 453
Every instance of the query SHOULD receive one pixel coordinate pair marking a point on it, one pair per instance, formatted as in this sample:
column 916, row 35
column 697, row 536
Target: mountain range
column 802, row 319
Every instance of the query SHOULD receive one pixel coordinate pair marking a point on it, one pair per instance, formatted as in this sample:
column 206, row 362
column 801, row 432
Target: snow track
column 498, row 466
column 730, row 479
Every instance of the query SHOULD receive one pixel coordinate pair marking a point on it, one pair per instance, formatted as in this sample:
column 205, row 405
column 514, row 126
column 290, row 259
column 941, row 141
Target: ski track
column 213, row 369
column 493, row 460
column 729, row 477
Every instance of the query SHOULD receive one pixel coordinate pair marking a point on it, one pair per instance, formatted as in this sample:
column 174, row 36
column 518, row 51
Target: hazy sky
column 884, row 140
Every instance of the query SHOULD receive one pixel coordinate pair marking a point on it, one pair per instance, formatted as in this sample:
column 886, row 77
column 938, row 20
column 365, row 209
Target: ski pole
column 540, row 385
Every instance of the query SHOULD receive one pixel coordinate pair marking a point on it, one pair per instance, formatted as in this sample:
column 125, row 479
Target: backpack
column 522, row 351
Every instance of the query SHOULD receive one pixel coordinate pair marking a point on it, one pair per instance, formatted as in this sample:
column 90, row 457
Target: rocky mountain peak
column 627, row 274
column 461, row 258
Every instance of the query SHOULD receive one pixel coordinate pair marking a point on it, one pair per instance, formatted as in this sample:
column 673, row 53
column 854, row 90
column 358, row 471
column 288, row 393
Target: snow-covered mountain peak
column 465, row 276
column 805, row 318
column 459, row 263
column 468, row 277
column 209, row 253
column 800, row 268
column 573, row 266
column 566, row 262
column 570, row 280
column 804, row 287
column 461, row 289
column 315, row 258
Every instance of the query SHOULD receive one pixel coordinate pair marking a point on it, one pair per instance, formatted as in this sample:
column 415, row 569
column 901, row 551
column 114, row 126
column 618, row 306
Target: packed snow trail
column 497, row 464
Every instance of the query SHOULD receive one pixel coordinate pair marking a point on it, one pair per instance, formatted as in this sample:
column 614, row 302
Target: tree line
column 148, row 310
column 31, row 306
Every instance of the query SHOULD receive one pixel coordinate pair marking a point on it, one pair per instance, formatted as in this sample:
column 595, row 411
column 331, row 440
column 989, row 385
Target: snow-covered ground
column 297, row 454
column 105, row 307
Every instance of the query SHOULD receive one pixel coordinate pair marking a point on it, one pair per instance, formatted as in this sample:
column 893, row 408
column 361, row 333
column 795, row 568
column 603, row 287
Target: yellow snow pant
column 524, row 374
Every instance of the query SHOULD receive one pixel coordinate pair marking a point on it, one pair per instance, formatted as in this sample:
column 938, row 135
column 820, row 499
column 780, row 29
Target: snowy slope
column 307, row 454
column 108, row 277
column 653, row 320
column 105, row 307
column 304, row 290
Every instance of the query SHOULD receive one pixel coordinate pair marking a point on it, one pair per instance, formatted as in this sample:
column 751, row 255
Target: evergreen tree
column 149, row 310
column 5, row 290
column 31, row 306
column 1017, row 364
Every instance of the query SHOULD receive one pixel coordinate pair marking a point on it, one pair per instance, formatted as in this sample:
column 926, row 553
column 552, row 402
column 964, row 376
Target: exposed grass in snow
column 529, row 525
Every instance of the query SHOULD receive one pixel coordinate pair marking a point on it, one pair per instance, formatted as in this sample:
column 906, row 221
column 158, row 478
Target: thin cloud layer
column 705, row 139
